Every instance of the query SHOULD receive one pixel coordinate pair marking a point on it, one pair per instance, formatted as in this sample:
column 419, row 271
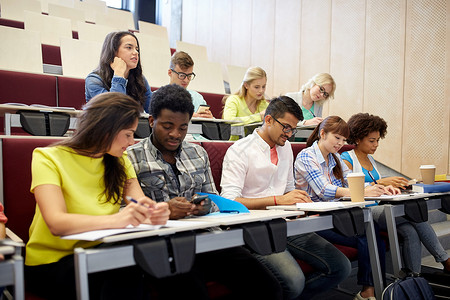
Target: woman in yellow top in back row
column 248, row 105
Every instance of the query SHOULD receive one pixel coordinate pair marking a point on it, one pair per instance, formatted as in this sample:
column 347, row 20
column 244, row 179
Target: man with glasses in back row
column 258, row 172
column 181, row 72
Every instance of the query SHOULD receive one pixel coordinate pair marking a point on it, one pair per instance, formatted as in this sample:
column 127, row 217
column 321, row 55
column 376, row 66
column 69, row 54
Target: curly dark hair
column 362, row 124
column 136, row 84
column 172, row 97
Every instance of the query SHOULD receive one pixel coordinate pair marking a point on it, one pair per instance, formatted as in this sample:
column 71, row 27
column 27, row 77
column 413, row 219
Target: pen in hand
column 131, row 199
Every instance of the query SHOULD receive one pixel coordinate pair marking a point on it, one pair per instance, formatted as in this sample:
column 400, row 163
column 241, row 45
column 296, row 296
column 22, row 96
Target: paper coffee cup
column 428, row 172
column 356, row 185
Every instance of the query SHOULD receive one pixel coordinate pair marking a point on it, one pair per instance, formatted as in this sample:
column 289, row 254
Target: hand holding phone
column 203, row 108
column 197, row 199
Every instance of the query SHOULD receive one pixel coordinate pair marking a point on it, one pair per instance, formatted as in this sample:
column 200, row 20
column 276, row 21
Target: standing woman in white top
column 312, row 95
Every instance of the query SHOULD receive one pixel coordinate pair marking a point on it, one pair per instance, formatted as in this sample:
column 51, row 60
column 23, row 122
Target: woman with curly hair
column 119, row 70
column 365, row 133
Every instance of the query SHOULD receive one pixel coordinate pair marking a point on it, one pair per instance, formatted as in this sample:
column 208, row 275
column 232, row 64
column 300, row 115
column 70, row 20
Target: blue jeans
column 360, row 242
column 331, row 266
column 412, row 234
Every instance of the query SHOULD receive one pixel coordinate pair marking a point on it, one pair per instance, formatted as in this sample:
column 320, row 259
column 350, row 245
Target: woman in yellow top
column 248, row 105
column 79, row 185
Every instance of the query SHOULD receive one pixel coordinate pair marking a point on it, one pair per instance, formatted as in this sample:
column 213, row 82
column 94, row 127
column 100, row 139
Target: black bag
column 409, row 288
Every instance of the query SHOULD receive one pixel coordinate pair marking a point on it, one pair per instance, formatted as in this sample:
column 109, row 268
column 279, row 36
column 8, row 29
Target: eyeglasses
column 323, row 92
column 286, row 128
column 182, row 75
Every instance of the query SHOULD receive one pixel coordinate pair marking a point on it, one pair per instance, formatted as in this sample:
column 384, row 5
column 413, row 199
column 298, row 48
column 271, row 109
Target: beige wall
column 389, row 57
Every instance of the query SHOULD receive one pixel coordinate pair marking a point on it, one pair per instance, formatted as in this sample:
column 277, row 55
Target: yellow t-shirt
column 236, row 109
column 81, row 180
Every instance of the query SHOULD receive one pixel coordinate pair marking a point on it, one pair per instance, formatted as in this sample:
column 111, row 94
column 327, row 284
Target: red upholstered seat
column 12, row 23
column 216, row 151
column 71, row 92
column 296, row 148
column 51, row 55
column 215, row 101
column 19, row 201
column 27, row 88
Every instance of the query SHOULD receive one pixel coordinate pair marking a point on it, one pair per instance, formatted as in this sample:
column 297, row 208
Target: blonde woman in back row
column 248, row 104
column 312, row 95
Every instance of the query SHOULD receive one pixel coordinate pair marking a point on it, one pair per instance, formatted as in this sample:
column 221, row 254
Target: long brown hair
column 136, row 84
column 332, row 124
column 102, row 119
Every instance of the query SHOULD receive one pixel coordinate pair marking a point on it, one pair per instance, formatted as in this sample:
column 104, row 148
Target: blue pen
column 135, row 201
column 312, row 113
column 371, row 176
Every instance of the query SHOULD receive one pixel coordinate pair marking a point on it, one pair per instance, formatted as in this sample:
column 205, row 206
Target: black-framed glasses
column 286, row 128
column 182, row 75
column 323, row 92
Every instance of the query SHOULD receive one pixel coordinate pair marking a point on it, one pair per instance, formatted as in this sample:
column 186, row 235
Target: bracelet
column 275, row 200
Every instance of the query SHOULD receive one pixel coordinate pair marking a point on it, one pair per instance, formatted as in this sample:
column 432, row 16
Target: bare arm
column 292, row 197
column 349, row 165
column 395, row 181
column 313, row 121
column 52, row 205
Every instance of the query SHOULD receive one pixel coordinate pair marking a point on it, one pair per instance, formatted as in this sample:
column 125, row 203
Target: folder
column 226, row 205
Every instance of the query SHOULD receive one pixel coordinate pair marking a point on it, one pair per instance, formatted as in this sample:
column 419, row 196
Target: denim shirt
column 94, row 86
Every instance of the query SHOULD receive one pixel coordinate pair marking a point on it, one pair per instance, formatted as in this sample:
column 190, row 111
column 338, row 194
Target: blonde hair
column 251, row 74
column 320, row 79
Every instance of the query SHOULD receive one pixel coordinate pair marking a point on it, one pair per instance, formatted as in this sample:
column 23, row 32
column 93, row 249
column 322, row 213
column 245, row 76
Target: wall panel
column 287, row 46
column 384, row 71
column 204, row 21
column 188, row 21
column 315, row 41
column 388, row 57
column 221, row 32
column 426, row 136
column 447, row 80
column 347, row 56
column 315, row 38
column 241, row 33
column 262, row 39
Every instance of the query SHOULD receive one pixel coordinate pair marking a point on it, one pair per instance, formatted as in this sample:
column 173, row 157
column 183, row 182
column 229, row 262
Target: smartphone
column 196, row 199
column 202, row 108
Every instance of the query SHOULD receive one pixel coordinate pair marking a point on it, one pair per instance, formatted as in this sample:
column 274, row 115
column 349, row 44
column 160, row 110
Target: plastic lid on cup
column 427, row 167
column 356, row 175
